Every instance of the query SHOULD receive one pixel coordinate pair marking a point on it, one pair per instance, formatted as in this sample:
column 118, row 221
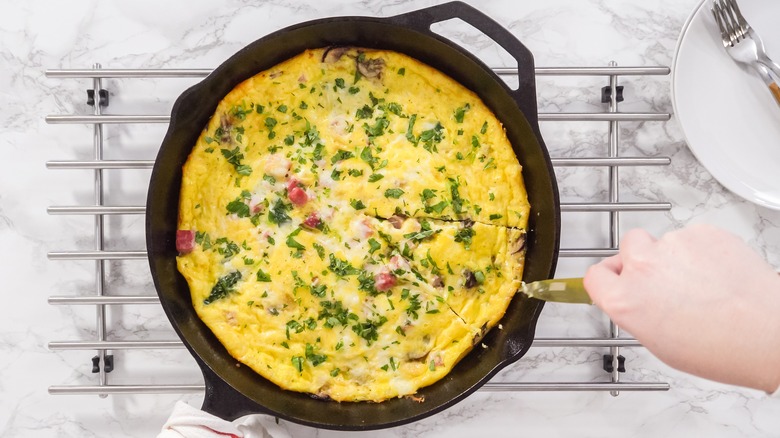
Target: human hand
column 699, row 299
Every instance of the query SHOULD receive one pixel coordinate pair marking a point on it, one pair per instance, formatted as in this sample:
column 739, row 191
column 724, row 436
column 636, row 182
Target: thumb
column 601, row 279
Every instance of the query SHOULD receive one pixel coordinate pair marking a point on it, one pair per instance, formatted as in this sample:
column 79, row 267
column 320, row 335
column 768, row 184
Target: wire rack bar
column 104, row 299
column 488, row 387
column 543, row 117
column 141, row 255
column 149, row 73
column 568, row 207
column 96, row 209
column 102, row 164
column 98, row 255
column 175, row 343
column 559, row 162
column 614, row 161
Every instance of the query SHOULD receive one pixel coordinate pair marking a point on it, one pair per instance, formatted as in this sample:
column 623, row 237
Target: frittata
column 351, row 223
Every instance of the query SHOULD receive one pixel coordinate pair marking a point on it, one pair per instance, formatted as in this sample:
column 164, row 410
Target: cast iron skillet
column 233, row 391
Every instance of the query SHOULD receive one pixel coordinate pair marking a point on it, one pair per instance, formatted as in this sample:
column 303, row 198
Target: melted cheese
column 356, row 234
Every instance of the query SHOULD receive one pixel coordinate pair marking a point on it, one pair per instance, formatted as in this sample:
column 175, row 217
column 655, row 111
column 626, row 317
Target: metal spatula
column 559, row 290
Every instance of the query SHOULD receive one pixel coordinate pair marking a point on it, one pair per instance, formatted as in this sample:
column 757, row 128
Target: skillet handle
column 422, row 19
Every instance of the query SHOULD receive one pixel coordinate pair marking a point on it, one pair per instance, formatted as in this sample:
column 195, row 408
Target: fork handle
column 775, row 89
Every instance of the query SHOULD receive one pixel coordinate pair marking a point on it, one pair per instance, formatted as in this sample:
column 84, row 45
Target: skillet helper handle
column 224, row 401
column 422, row 19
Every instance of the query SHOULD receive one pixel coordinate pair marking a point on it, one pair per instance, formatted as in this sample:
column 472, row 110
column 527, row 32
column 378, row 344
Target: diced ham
column 312, row 221
column 298, row 196
column 397, row 262
column 362, row 228
column 185, row 241
column 256, row 204
column 383, row 281
column 293, row 183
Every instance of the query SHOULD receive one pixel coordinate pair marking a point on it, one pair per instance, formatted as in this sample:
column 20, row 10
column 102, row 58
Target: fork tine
column 732, row 14
column 725, row 26
column 743, row 24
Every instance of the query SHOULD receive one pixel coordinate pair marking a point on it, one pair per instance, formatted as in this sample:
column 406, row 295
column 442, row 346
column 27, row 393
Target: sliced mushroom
column 437, row 281
column 481, row 334
column 470, row 280
column 226, row 124
column 370, row 68
column 333, row 54
column 519, row 244
column 397, row 221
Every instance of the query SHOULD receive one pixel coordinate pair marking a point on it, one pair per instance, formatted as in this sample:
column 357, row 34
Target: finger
column 636, row 241
column 601, row 279
column 614, row 263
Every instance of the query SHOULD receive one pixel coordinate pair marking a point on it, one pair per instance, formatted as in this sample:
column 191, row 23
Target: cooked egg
column 357, row 222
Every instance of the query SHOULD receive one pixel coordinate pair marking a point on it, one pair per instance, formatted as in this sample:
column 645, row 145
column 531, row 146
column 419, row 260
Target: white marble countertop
column 40, row 35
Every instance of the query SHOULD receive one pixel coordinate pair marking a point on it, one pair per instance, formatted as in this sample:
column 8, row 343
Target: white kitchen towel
column 189, row 422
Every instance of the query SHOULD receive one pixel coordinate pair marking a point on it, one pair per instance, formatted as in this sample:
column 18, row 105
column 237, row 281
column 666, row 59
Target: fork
column 744, row 45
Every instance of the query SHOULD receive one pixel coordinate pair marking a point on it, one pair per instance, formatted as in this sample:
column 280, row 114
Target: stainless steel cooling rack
column 103, row 362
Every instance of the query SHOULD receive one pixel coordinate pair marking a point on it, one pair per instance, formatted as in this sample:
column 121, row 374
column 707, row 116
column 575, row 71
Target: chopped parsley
column 357, row 204
column 239, row 112
column 263, row 277
column 224, row 286
column 457, row 202
column 374, row 177
column 410, row 130
column 340, row 156
column 202, row 238
column 495, row 216
column 292, row 243
column 238, row 206
column 368, row 330
column 320, row 250
column 364, row 113
column 431, row 137
column 425, row 232
column 366, row 283
column 234, row 157
column 378, row 129
column 464, row 236
column 394, row 108
column 461, row 112
column 393, row 193
column 297, row 362
column 342, row 268
column 278, row 213
column 315, row 359
column 373, row 245
column 334, row 313
column 226, row 247
column 402, row 71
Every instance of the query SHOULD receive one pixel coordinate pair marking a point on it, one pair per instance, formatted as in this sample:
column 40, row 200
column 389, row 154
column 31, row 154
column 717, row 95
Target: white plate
column 730, row 120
